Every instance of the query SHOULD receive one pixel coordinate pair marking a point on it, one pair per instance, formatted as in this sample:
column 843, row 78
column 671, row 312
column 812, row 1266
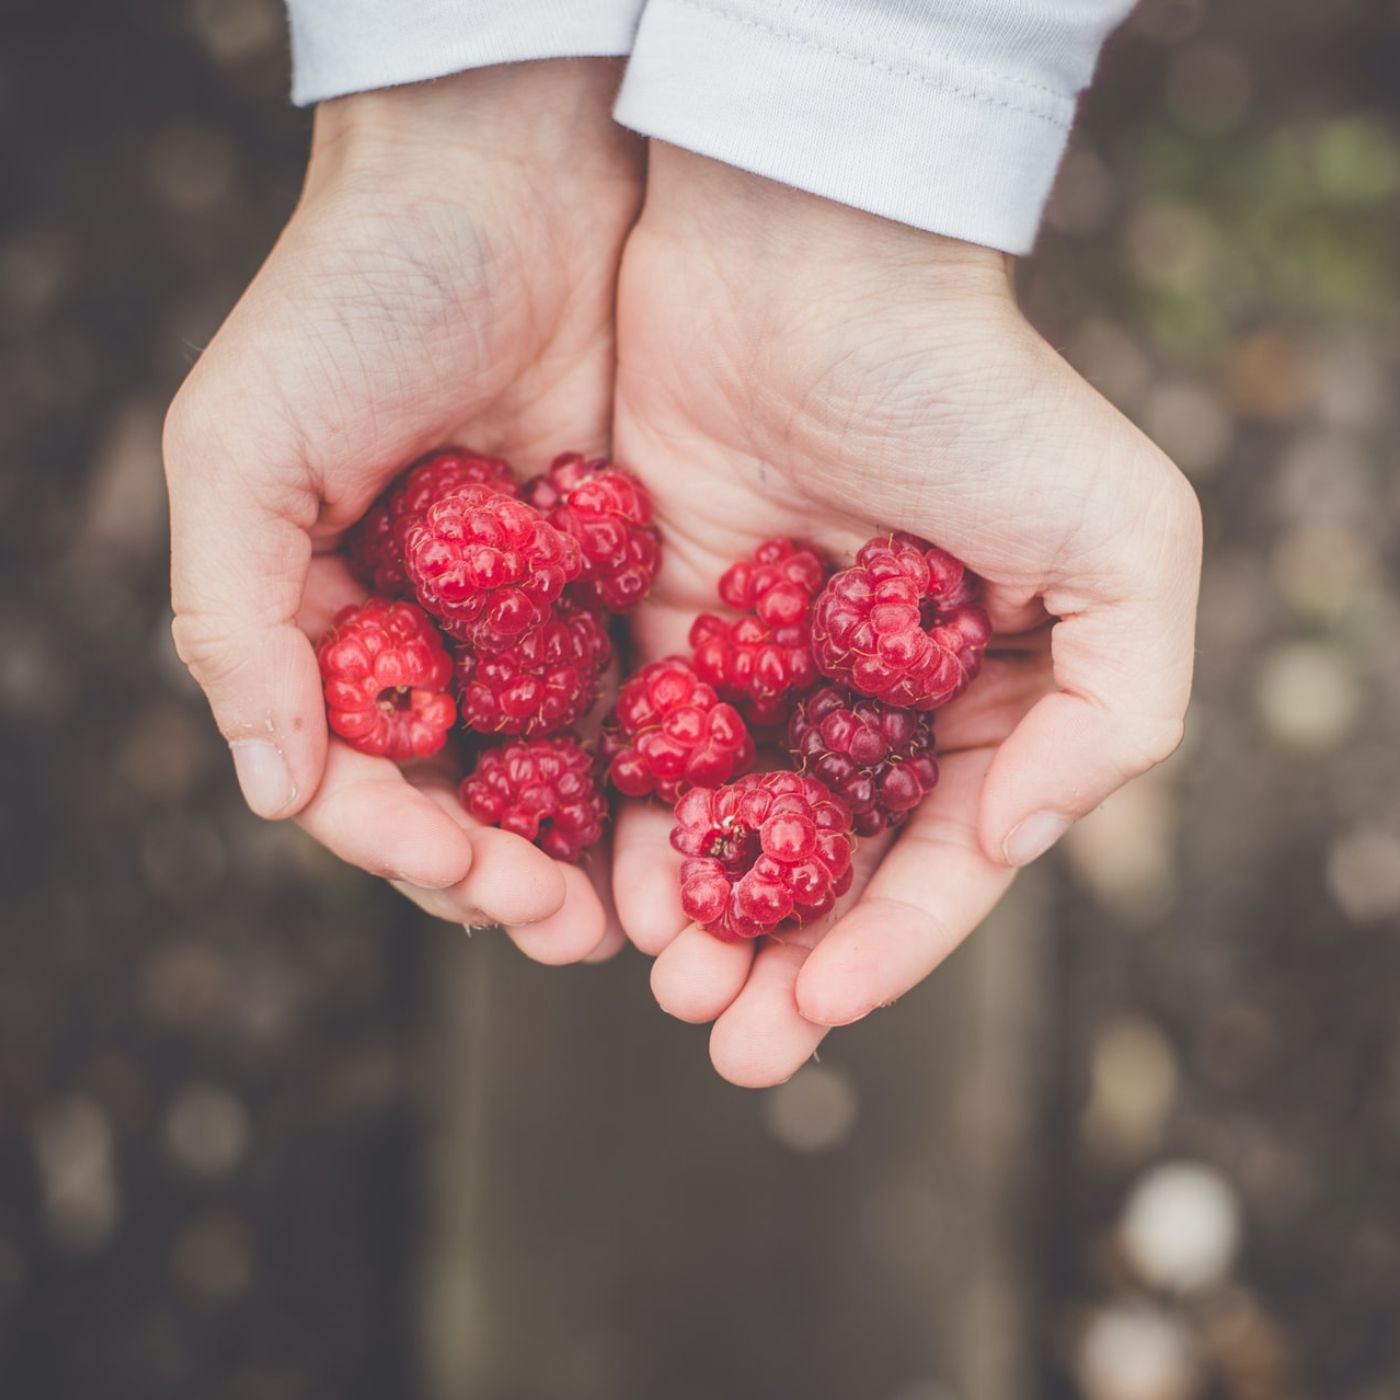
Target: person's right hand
column 448, row 276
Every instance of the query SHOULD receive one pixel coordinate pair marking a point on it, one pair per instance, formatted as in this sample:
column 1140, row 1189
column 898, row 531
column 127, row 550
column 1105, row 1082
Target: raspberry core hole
column 396, row 697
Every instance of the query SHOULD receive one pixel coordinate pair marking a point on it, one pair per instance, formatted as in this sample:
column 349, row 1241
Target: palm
column 754, row 409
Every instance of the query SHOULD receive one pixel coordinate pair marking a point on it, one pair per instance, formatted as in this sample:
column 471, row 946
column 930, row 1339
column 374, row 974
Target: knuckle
column 1152, row 741
column 205, row 648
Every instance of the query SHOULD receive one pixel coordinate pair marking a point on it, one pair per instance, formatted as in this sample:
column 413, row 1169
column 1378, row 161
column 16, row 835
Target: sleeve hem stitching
column 923, row 78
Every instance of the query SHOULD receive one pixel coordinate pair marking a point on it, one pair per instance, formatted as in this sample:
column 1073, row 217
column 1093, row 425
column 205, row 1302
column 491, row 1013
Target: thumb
column 1122, row 651
column 240, row 550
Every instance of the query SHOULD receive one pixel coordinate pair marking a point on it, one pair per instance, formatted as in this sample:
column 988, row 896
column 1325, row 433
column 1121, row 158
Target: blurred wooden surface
column 605, row 1219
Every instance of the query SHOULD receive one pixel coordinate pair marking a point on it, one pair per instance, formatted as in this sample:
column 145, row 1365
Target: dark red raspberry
column 386, row 672
column 902, row 625
column 608, row 511
column 763, row 660
column 541, row 789
column 486, row 566
column 670, row 731
column 545, row 681
column 763, row 850
column 875, row 758
column 375, row 545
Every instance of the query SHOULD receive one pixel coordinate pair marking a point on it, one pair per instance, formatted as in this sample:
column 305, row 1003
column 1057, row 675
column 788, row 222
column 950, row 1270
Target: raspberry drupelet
column 608, row 511
column 762, row 661
column 545, row 681
column 541, row 789
column 488, row 567
column 375, row 545
column 902, row 625
column 669, row 731
column 766, row 849
column 386, row 673
column 877, row 759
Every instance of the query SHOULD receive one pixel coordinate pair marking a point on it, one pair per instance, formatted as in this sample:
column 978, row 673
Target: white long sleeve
column 341, row 46
column 950, row 115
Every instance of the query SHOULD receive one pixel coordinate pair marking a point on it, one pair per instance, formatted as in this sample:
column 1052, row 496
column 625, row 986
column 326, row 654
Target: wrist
column 548, row 119
column 783, row 236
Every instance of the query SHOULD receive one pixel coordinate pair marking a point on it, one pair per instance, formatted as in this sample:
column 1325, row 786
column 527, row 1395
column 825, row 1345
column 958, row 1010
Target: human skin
column 790, row 366
column 448, row 276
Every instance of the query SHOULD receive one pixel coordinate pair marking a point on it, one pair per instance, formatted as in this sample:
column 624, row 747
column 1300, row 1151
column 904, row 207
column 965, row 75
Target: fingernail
column 264, row 776
column 1032, row 837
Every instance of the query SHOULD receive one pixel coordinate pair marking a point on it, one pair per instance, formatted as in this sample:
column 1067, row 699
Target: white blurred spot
column 814, row 1111
column 236, row 29
column 1326, row 478
column 1207, row 88
column 1319, row 568
column 1109, row 357
column 903, row 1226
column 123, row 514
column 1363, row 873
column 1123, row 851
column 1308, row 696
column 1190, row 423
column 1133, row 1352
column 192, row 167
column 1170, row 243
column 214, row 1257
column 1084, row 195
column 1352, row 384
column 1167, row 21
column 1133, row 1081
column 77, row 1178
column 1181, row 1227
column 207, row 1130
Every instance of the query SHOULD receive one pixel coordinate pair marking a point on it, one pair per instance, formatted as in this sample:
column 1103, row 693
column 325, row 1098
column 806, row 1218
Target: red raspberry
column 608, row 511
column 902, row 624
column 486, row 566
column 875, row 758
column 375, row 545
column 386, row 674
column 545, row 681
column 770, row 847
column 541, row 789
column 670, row 731
column 763, row 660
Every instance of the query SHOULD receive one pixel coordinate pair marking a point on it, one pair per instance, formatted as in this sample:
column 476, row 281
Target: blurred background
column 266, row 1134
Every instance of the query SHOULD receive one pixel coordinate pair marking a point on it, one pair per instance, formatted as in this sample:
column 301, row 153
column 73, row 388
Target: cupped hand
column 448, row 276
column 792, row 367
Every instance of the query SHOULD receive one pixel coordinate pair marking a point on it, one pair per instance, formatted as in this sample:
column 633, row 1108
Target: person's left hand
column 790, row 367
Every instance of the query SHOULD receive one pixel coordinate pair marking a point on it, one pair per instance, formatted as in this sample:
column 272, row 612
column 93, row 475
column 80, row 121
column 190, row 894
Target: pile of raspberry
column 487, row 624
column 839, row 672
column 489, row 618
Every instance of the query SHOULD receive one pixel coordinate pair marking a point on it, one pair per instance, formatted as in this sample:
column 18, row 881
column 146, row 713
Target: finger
column 697, row 976
column 572, row 932
column 1123, row 671
column 933, row 888
column 763, row 1038
column 598, row 864
column 614, row 941
column 511, row 882
column 368, row 814
column 239, row 556
column 646, row 876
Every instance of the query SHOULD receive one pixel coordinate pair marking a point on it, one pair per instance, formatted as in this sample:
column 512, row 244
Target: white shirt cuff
column 341, row 46
column 950, row 115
